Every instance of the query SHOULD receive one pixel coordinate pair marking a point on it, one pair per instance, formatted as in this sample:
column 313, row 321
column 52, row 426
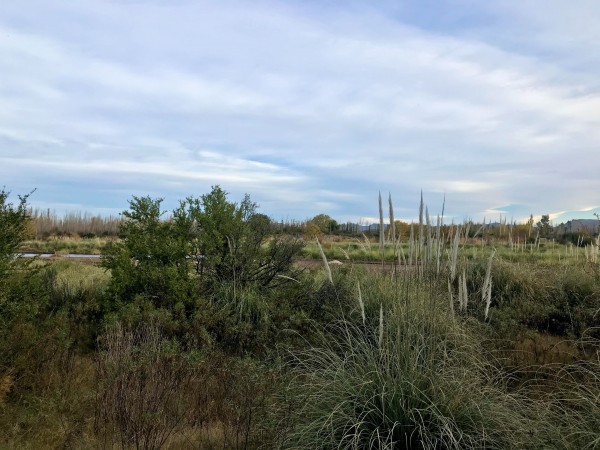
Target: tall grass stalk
column 325, row 263
column 367, row 242
column 411, row 248
column 361, row 303
column 454, row 253
column 421, row 234
column 393, row 230
column 380, row 325
column 463, row 293
column 381, row 231
column 440, row 224
column 487, row 286
column 392, row 221
column 451, row 297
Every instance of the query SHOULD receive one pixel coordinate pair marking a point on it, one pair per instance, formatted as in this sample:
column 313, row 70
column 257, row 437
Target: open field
column 356, row 249
column 90, row 246
column 456, row 343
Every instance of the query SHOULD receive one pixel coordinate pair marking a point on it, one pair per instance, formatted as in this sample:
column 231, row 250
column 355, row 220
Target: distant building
column 579, row 226
column 372, row 227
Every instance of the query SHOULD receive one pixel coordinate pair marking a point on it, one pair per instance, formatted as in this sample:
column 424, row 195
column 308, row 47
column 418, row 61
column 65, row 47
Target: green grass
column 471, row 251
column 74, row 277
column 93, row 246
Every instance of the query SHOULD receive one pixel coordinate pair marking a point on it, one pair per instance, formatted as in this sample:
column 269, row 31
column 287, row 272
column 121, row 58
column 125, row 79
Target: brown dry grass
column 6, row 383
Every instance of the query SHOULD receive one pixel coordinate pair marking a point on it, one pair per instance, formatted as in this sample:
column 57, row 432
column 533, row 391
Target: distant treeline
column 47, row 223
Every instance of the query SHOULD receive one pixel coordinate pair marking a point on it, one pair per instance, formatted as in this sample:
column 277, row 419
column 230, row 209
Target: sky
column 309, row 106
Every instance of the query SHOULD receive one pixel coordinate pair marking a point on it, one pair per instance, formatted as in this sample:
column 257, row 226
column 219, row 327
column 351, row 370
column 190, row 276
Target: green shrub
column 14, row 221
column 150, row 260
column 211, row 268
column 550, row 298
column 233, row 244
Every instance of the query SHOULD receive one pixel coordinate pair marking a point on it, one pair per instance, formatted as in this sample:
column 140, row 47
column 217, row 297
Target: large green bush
column 14, row 221
column 151, row 259
column 211, row 267
column 234, row 244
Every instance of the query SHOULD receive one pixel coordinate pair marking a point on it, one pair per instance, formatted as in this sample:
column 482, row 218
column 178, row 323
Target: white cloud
column 306, row 106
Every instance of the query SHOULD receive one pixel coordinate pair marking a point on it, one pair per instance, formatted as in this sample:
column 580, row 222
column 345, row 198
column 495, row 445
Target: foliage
column 546, row 298
column 544, row 227
column 228, row 243
column 373, row 361
column 46, row 312
column 87, row 246
column 14, row 221
column 150, row 262
column 233, row 244
column 75, row 290
column 311, row 231
column 212, row 266
column 326, row 224
column 23, row 297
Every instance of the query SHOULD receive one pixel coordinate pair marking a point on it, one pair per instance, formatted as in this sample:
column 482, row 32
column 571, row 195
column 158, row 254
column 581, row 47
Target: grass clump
column 414, row 379
column 575, row 396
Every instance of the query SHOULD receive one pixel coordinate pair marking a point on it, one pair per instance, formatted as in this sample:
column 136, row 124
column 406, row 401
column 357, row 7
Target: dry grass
column 6, row 383
column 144, row 380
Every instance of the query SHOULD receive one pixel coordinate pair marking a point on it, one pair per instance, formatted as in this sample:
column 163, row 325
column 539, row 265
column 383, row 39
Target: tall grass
column 418, row 380
column 406, row 372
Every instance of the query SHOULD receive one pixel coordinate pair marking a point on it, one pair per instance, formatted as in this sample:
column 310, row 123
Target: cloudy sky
column 309, row 106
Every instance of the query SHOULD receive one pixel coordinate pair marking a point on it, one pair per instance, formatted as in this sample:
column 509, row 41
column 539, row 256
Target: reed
column 487, row 286
column 381, row 230
column 361, row 303
column 325, row 263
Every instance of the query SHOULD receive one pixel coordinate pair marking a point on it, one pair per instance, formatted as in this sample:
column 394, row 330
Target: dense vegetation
column 200, row 330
